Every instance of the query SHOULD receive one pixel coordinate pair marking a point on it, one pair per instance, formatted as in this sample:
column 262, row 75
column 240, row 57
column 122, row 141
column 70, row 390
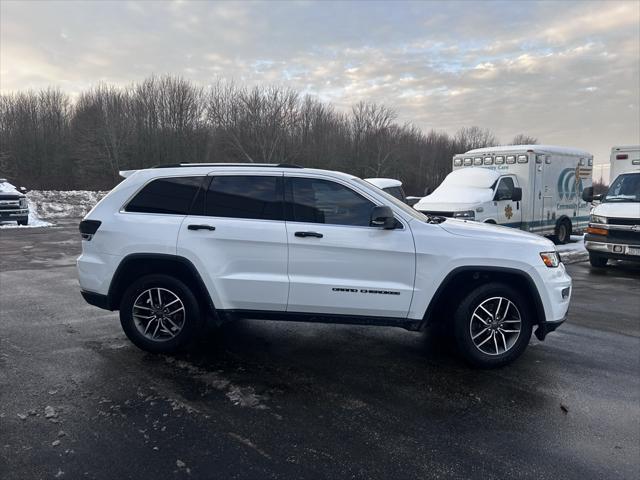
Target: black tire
column 190, row 321
column 24, row 221
column 562, row 233
column 463, row 326
column 597, row 261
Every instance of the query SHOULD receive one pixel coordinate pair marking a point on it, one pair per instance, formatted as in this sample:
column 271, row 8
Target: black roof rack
column 185, row 165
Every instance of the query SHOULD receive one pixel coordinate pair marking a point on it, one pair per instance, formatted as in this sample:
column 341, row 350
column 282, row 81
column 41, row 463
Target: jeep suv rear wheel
column 160, row 314
column 492, row 326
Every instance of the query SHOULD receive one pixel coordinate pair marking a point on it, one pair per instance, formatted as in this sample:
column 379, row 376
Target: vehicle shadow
column 618, row 268
column 373, row 365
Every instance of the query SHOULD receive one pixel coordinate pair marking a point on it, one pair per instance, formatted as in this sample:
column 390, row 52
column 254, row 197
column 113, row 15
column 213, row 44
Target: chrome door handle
column 201, row 227
column 308, row 234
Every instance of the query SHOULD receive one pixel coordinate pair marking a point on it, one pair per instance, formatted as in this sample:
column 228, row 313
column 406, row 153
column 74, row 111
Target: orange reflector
column 547, row 261
column 597, row 231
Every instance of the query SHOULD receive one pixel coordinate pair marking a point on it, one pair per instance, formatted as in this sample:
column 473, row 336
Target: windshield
column 625, row 188
column 401, row 205
column 471, row 178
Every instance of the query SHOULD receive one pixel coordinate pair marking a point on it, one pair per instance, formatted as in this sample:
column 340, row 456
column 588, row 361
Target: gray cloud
column 568, row 73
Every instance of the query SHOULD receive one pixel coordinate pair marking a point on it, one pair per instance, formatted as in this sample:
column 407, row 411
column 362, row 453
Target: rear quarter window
column 169, row 196
column 245, row 196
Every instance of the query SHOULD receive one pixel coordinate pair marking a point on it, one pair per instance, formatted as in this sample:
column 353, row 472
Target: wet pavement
column 263, row 400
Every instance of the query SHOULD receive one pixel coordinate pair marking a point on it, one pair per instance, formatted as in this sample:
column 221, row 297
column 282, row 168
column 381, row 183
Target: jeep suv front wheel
column 160, row 314
column 492, row 325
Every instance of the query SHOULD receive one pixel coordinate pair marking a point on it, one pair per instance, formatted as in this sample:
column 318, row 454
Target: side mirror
column 587, row 194
column 516, row 196
column 382, row 216
column 598, row 198
column 22, row 190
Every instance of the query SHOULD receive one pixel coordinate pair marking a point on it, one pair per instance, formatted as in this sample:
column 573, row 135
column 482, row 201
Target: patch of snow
column 239, row 396
column 576, row 244
column 574, row 251
column 471, row 177
column 64, row 203
column 468, row 185
column 551, row 149
column 50, row 412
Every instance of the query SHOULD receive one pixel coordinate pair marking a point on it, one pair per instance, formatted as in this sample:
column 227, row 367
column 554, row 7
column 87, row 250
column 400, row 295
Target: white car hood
column 618, row 209
column 488, row 232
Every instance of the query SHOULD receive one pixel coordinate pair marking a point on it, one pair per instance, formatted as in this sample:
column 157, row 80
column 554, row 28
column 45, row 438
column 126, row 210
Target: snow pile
column 62, row 204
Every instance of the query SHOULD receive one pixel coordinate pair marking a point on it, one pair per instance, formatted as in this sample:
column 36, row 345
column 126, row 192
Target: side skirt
column 229, row 315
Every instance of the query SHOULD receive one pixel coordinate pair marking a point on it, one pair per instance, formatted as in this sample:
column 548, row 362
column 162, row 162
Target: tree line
column 48, row 141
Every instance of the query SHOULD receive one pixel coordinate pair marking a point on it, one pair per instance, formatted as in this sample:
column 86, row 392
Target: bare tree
column 522, row 139
column 468, row 138
column 46, row 142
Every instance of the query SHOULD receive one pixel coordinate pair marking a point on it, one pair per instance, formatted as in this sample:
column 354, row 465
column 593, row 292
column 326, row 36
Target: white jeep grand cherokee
column 173, row 245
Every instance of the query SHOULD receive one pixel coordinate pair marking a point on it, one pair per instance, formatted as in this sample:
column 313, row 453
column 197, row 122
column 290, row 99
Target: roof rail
column 184, row 165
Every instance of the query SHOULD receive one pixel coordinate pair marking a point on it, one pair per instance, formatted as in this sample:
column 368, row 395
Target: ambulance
column 536, row 188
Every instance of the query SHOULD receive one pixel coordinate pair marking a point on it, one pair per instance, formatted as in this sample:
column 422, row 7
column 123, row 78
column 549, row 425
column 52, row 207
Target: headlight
column 550, row 259
column 23, row 202
column 465, row 215
column 597, row 219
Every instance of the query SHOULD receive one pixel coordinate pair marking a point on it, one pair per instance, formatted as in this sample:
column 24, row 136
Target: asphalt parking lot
column 293, row 400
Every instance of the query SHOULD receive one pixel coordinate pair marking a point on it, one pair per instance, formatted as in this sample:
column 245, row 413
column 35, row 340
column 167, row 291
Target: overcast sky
column 567, row 73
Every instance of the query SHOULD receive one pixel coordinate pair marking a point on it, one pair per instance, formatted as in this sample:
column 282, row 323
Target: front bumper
column 545, row 328
column 555, row 288
column 14, row 214
column 615, row 248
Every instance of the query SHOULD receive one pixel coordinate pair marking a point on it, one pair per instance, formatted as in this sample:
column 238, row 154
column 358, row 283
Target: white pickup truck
column 13, row 203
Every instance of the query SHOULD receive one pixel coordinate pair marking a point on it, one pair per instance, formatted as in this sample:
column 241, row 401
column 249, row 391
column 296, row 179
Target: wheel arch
column 460, row 281
column 564, row 218
column 139, row 264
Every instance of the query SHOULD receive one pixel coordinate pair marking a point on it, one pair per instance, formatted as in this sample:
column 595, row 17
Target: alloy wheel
column 495, row 326
column 158, row 314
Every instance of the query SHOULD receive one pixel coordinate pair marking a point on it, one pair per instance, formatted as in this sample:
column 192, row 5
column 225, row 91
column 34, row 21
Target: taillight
column 622, row 156
column 88, row 228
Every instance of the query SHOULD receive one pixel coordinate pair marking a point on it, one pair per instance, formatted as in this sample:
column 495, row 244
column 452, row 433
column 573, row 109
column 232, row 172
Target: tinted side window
column 166, row 195
column 505, row 189
column 254, row 197
column 322, row 201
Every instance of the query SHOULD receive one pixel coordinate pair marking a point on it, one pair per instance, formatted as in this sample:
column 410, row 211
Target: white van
column 624, row 158
column 614, row 226
column 536, row 188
